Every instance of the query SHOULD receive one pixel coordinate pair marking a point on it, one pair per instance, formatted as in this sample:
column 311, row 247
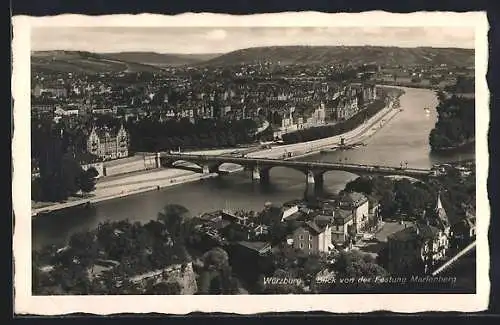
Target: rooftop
column 415, row 232
column 323, row 220
column 353, row 198
column 342, row 216
column 257, row 246
column 314, row 227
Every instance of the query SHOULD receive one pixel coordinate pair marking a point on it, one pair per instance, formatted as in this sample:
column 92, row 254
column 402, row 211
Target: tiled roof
column 295, row 216
column 354, row 198
column 323, row 220
column 101, row 131
column 416, row 232
column 314, row 227
column 342, row 216
column 255, row 246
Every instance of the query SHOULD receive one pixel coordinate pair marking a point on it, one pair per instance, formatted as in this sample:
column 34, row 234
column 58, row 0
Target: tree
column 361, row 185
column 173, row 216
column 455, row 124
column 354, row 265
column 357, row 264
column 164, row 288
column 204, row 282
column 216, row 274
column 71, row 171
column 84, row 246
column 216, row 259
column 87, row 180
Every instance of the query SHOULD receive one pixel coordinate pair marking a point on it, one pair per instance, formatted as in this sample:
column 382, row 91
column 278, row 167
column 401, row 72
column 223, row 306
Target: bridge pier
column 206, row 169
column 318, row 179
column 158, row 160
column 260, row 174
column 256, row 173
column 264, row 175
column 310, row 179
column 314, row 182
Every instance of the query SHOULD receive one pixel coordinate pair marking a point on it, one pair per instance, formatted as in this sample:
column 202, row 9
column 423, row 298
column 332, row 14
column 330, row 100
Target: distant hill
column 346, row 54
column 83, row 62
column 86, row 62
column 160, row 59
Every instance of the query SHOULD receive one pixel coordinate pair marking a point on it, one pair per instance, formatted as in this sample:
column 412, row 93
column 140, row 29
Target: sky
column 198, row 40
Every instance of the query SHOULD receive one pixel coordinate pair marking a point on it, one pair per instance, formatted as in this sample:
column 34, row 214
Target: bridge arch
column 411, row 179
column 199, row 166
column 229, row 167
column 180, row 164
column 374, row 174
column 293, row 168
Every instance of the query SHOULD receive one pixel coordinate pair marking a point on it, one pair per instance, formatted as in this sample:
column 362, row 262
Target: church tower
column 442, row 217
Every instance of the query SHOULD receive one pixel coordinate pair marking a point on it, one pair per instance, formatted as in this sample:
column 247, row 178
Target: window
column 301, row 245
column 301, row 237
column 310, row 246
column 310, row 237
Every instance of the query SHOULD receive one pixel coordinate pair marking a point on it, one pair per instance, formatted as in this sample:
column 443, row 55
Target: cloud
column 220, row 40
column 217, row 35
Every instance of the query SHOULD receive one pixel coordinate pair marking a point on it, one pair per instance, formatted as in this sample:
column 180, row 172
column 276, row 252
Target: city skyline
column 201, row 40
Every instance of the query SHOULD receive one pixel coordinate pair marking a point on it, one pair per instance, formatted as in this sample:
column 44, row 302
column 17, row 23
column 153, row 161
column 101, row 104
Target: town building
column 108, row 143
column 347, row 108
column 368, row 93
column 43, row 108
column 464, row 232
column 66, row 112
column 343, row 226
column 312, row 238
column 318, row 116
column 223, row 226
column 103, row 111
column 420, row 247
column 413, row 250
column 359, row 205
column 54, row 91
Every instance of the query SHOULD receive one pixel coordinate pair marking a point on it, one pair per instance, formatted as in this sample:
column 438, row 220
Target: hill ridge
column 92, row 62
column 384, row 55
column 85, row 61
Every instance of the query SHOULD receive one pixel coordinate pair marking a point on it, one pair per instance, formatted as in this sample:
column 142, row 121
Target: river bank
column 158, row 179
column 459, row 146
column 150, row 182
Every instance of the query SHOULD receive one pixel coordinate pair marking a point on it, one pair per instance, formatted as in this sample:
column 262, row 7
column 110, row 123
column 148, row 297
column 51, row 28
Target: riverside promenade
column 161, row 178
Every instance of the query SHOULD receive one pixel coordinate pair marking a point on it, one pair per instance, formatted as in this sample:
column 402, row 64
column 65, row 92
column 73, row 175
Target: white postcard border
column 25, row 303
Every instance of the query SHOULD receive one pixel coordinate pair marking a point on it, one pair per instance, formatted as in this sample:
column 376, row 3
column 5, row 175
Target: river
column 403, row 139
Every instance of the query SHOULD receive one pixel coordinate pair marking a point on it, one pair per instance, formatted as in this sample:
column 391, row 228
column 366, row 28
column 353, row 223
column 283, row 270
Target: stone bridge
column 313, row 171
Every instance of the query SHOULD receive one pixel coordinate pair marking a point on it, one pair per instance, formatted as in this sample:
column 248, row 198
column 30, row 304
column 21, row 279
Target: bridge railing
column 277, row 161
